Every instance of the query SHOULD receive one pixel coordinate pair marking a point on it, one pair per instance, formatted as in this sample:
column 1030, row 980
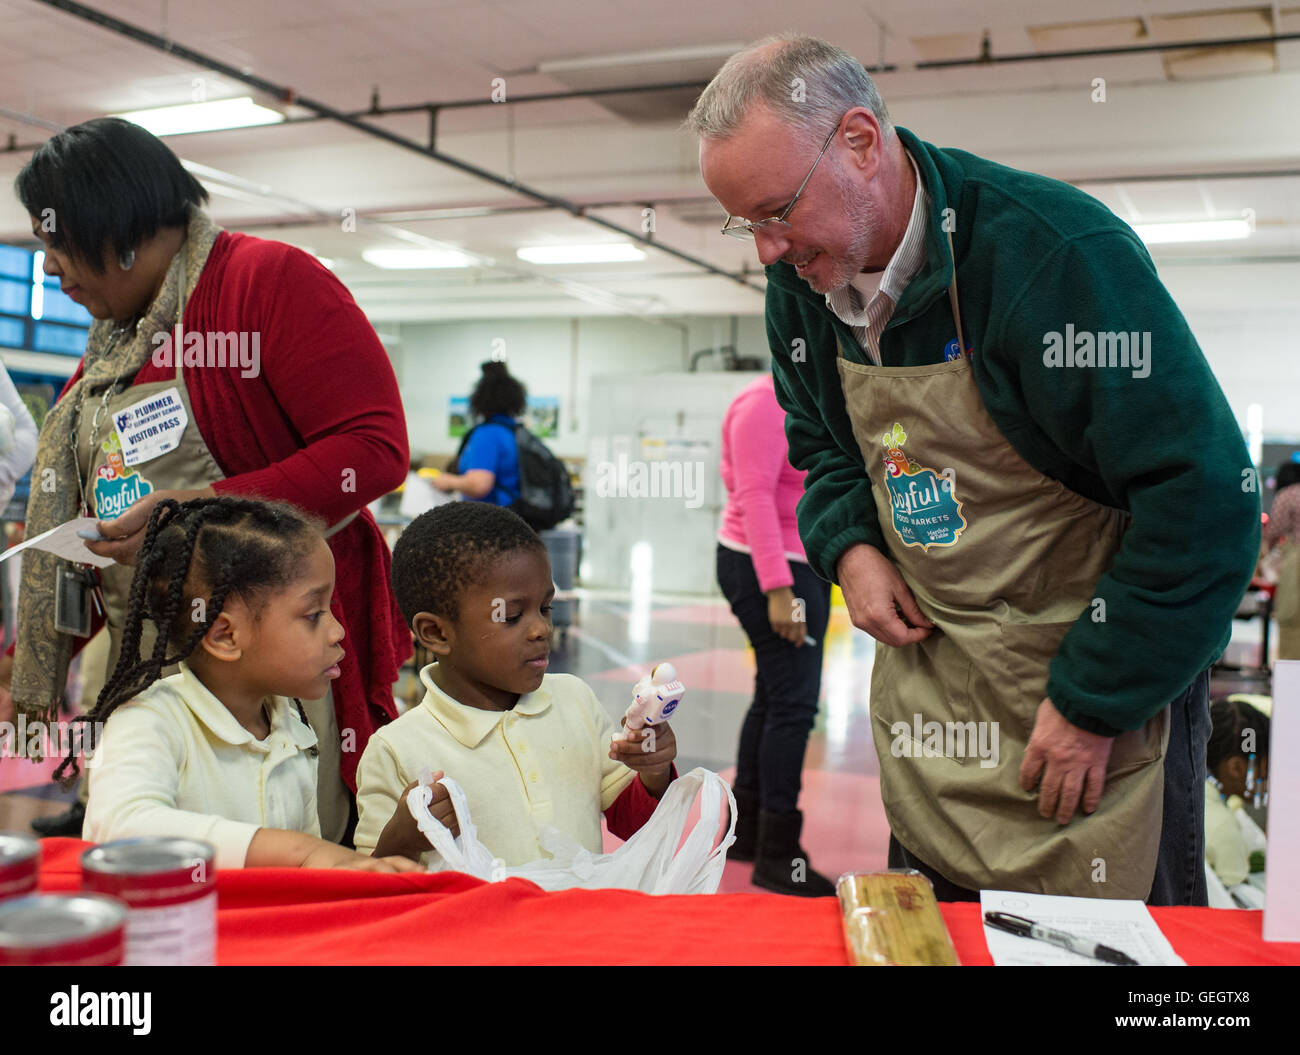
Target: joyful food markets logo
column 926, row 510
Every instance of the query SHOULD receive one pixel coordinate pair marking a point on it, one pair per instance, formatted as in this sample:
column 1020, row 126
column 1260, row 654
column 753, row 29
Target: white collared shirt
column 880, row 291
column 175, row 762
column 545, row 762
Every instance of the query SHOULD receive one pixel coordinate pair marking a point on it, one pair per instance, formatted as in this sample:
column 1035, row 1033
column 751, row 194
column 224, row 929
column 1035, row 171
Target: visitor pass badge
column 151, row 427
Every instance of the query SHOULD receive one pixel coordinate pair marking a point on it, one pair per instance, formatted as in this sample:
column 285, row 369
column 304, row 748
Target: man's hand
column 780, row 613
column 402, row 836
column 654, row 765
column 878, row 599
column 122, row 537
column 1075, row 761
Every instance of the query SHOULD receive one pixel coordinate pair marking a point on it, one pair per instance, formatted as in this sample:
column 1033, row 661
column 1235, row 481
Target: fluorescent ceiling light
column 696, row 52
column 604, row 253
column 1192, row 231
column 415, row 259
column 241, row 112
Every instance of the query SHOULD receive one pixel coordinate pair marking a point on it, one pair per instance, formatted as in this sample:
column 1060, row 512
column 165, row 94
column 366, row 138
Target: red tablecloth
column 298, row 916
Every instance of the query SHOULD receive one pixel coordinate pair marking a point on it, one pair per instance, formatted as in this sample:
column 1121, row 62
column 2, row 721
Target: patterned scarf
column 42, row 654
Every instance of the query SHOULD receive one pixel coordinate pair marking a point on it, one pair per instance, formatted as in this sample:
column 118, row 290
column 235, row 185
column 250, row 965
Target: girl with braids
column 238, row 593
column 1237, row 761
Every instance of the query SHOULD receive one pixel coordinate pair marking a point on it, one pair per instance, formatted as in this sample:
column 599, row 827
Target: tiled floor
column 614, row 640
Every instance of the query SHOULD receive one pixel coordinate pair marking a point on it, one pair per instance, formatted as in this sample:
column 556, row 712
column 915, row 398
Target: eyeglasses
column 739, row 228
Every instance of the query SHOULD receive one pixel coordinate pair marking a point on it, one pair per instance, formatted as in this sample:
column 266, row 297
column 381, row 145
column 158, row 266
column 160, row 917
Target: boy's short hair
column 445, row 551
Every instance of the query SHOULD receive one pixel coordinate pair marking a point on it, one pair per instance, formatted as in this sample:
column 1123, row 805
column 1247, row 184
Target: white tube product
column 654, row 698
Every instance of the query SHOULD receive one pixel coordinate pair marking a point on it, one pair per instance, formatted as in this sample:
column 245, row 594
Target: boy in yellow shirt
column 528, row 748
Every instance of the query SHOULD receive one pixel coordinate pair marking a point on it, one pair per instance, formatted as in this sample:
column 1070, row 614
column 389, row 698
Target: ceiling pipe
column 289, row 96
column 984, row 58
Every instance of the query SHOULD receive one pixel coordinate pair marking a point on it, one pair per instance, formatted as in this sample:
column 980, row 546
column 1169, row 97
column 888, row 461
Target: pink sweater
column 762, row 487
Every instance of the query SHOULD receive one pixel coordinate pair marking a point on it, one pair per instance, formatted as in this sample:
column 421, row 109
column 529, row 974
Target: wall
column 553, row 357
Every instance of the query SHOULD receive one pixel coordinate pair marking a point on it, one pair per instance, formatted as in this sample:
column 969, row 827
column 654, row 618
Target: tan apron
column 1002, row 559
column 112, row 486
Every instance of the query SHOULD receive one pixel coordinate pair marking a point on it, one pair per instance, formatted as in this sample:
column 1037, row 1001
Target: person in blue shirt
column 488, row 468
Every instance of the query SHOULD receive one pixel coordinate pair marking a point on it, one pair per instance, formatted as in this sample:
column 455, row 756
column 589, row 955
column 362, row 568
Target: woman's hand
column 477, row 483
column 122, row 537
column 785, row 615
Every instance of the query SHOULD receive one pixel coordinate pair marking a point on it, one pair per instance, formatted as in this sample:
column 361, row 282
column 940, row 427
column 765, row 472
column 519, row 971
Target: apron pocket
column 1018, row 672
column 1136, row 748
column 922, row 703
column 1024, row 653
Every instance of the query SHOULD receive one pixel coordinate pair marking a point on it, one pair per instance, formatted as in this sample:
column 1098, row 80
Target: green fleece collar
column 942, row 178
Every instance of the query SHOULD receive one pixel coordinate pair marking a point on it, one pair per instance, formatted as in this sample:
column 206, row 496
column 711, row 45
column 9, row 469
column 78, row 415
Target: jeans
column 786, row 686
column 1180, row 862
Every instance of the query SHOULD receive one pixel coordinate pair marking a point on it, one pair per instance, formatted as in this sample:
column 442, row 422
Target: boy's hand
column 402, row 836
column 650, row 752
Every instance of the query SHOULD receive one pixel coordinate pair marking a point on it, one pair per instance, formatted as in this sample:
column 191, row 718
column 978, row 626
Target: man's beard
column 863, row 219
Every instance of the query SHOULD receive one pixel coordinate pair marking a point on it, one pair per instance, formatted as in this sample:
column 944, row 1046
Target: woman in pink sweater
column 783, row 608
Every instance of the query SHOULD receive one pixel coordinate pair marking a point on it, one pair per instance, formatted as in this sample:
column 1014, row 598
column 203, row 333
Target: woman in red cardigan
column 218, row 364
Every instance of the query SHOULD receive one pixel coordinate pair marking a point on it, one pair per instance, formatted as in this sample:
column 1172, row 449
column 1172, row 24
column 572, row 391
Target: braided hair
column 194, row 557
column 1229, row 720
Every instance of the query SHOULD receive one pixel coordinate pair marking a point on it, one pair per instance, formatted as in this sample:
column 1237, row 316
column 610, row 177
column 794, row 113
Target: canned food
column 62, row 930
column 170, row 888
column 20, row 864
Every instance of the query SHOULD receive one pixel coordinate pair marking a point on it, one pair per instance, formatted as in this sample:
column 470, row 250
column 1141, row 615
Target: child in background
column 1237, row 761
column 222, row 751
column 528, row 748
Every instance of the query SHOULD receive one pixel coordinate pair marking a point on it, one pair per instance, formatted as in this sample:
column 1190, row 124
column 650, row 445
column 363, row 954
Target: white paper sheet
column 63, row 542
column 1123, row 925
column 1282, row 903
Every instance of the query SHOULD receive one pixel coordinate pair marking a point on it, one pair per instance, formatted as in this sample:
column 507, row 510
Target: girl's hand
column 122, row 537
column 383, row 864
column 331, row 856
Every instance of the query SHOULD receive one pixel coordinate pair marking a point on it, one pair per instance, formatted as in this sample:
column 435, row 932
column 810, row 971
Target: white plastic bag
column 650, row 861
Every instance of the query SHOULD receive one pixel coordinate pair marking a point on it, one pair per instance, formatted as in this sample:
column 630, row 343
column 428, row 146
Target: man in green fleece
column 1021, row 472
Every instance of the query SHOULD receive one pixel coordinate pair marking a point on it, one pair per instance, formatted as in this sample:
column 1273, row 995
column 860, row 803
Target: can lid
column 144, row 856
column 17, row 846
column 30, row 922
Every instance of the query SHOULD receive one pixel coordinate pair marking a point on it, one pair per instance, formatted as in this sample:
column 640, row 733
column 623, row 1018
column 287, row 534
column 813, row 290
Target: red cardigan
column 321, row 427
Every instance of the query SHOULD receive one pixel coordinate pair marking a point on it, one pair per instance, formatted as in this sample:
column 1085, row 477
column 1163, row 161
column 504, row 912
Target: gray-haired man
column 1020, row 471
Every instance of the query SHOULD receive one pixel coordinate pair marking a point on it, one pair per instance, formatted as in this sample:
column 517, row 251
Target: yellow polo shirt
column 1225, row 846
column 173, row 761
column 546, row 762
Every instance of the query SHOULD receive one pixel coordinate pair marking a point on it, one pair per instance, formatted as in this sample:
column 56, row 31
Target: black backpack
column 545, row 494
